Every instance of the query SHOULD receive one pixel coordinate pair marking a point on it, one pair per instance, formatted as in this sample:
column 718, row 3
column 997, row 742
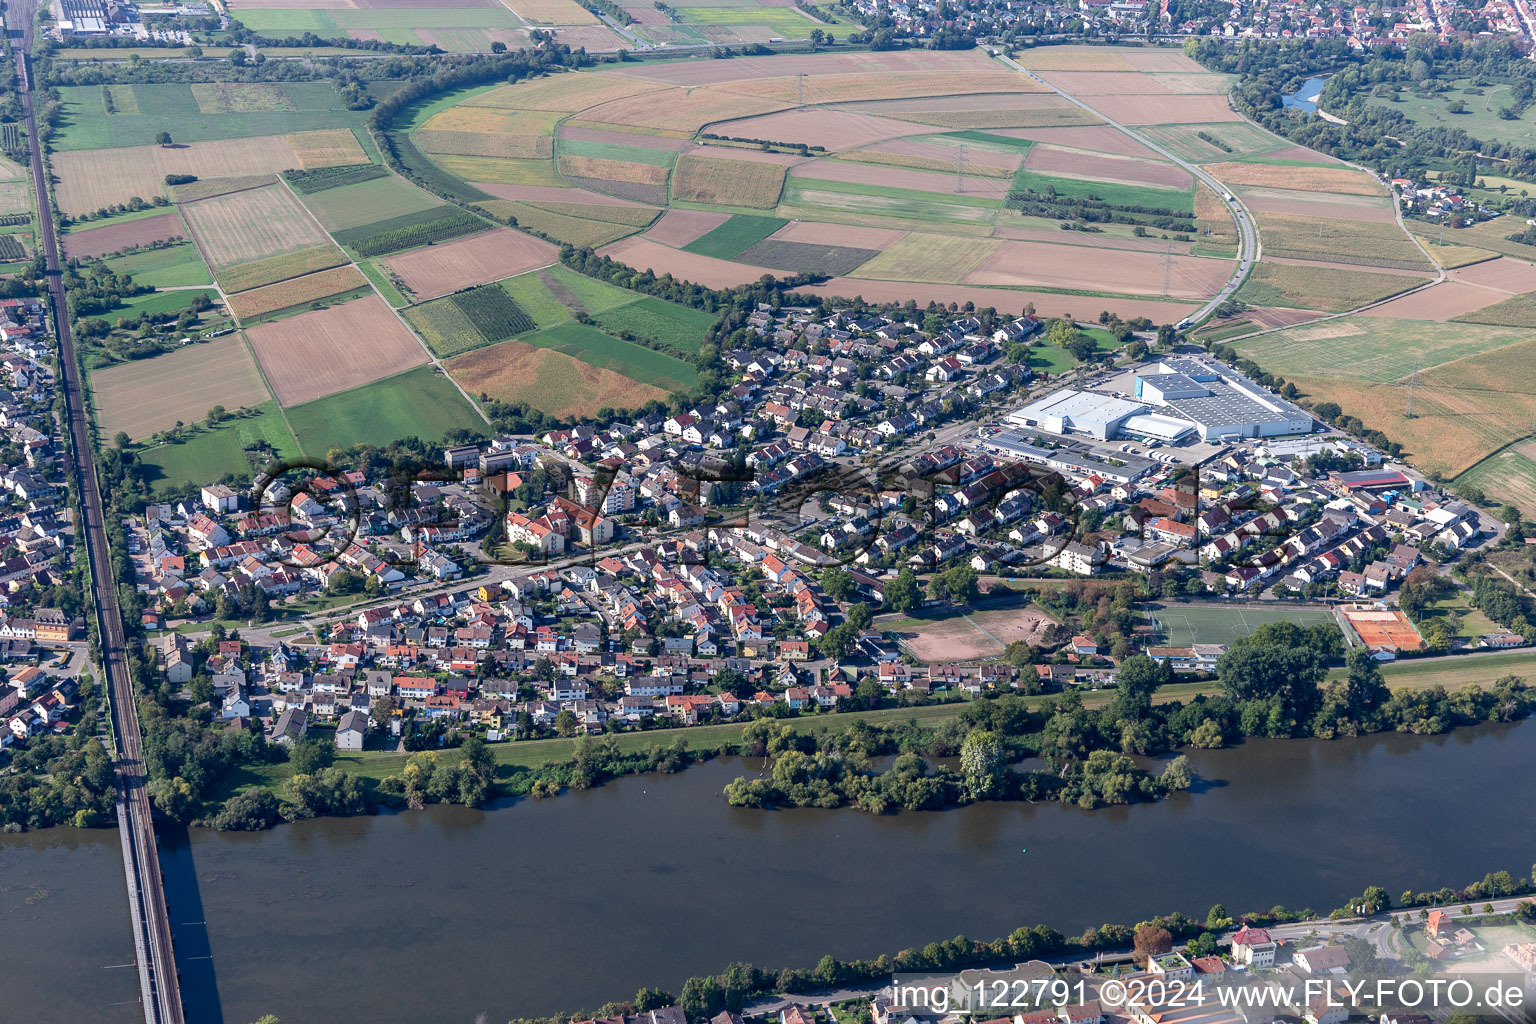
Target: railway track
column 155, row 954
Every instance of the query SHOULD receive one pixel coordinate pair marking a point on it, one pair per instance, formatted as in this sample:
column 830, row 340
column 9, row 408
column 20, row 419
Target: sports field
column 983, row 632
column 1179, row 625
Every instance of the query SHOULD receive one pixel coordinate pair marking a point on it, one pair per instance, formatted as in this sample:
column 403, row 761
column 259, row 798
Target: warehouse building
column 1077, row 412
column 1222, row 404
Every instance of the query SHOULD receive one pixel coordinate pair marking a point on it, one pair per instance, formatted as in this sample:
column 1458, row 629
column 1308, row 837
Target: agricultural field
column 118, row 233
column 456, row 25
column 146, row 396
column 203, row 112
column 538, row 309
column 92, row 179
column 837, row 157
column 1507, row 475
column 1329, row 240
column 251, row 225
column 1469, row 399
column 418, row 403
column 713, row 181
column 298, row 291
column 1327, row 289
column 478, row 259
column 272, row 269
column 174, row 266
column 548, row 380
column 1516, row 311
column 334, row 349
column 209, row 453
column 732, row 237
column 469, row 319
column 354, row 205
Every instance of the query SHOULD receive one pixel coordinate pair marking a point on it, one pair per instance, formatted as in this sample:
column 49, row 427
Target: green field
column 1481, row 119
column 171, row 267
column 1373, row 348
column 210, row 454
column 1507, row 475
column 1328, row 289
column 1113, row 193
column 677, row 327
column 530, row 292
column 741, row 232
column 591, row 345
column 781, row 21
column 840, row 201
column 85, row 124
column 1179, row 625
column 351, row 206
column 419, row 402
column 615, row 151
column 161, row 302
column 455, row 29
column 385, row 286
column 594, row 296
column 1454, row 672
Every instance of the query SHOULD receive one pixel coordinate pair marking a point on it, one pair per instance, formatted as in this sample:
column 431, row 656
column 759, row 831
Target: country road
column 1248, row 247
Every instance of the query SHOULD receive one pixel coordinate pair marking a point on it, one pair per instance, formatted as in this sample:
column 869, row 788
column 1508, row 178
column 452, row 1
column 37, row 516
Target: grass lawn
column 209, row 454
column 172, row 267
column 419, row 402
column 1050, row 359
column 1481, row 118
column 382, row 282
column 1473, row 622
column 677, row 327
column 162, row 302
column 739, row 233
column 1454, row 672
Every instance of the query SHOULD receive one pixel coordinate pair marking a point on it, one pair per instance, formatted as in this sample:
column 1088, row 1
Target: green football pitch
column 1179, row 625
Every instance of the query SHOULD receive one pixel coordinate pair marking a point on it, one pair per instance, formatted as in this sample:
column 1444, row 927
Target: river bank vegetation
column 1272, row 684
column 731, row 989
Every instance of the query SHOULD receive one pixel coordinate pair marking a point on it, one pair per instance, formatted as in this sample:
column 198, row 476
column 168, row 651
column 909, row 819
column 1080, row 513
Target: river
column 1305, row 98
column 537, row 907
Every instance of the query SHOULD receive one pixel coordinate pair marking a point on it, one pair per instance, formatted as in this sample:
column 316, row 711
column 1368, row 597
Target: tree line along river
column 530, row 907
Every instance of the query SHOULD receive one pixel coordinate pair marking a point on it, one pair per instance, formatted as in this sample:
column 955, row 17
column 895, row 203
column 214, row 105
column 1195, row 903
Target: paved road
column 156, row 962
column 1248, row 248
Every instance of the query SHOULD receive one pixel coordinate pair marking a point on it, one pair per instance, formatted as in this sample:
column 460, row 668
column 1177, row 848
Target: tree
column 309, row 754
column 961, row 584
column 1178, row 775
column 565, row 722
column 651, row 999
column 983, row 764
column 382, row 710
column 1152, row 940
column 1217, row 918
column 837, row 640
column 1138, row 677
column 164, row 139
column 837, row 583
column 902, row 593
